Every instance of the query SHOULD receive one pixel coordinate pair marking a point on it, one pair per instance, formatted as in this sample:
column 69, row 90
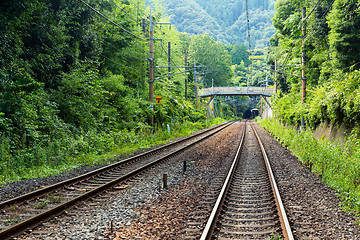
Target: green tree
column 344, row 22
column 215, row 59
column 240, row 54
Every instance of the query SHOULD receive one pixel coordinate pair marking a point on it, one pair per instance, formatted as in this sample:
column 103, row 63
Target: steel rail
column 210, row 225
column 32, row 222
column 41, row 192
column 285, row 225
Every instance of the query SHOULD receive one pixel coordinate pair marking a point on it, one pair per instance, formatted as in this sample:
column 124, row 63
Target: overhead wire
column 313, row 27
column 118, row 63
column 272, row 70
column 309, row 13
column 126, row 12
column 112, row 22
column 117, row 25
column 317, row 3
column 172, row 60
column 310, row 31
column 136, row 45
column 130, row 33
column 173, row 74
column 133, row 43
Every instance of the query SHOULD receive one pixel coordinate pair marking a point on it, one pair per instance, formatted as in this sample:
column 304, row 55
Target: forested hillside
column 224, row 20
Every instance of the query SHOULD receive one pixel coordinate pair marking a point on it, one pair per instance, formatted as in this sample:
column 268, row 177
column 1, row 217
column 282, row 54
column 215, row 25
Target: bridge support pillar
column 208, row 107
column 267, row 111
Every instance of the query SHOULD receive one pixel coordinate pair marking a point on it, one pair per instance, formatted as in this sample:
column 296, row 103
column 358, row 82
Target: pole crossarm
column 236, row 91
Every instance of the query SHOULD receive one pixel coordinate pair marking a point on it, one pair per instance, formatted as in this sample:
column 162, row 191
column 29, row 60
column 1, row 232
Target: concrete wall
column 331, row 132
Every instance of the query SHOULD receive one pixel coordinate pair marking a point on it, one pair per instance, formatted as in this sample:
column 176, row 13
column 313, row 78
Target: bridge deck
column 236, row 91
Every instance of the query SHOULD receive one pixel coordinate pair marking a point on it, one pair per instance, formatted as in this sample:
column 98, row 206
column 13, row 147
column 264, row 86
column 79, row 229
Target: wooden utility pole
column 275, row 76
column 151, row 65
column 186, row 78
column 169, row 59
column 144, row 25
column 196, row 87
column 220, row 108
column 303, row 63
column 303, row 56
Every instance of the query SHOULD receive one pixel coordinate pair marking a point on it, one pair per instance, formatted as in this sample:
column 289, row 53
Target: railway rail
column 30, row 210
column 249, row 205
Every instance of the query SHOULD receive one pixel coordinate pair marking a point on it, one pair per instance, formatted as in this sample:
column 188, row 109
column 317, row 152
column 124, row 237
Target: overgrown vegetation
column 337, row 101
column 333, row 88
column 74, row 86
column 338, row 165
column 332, row 57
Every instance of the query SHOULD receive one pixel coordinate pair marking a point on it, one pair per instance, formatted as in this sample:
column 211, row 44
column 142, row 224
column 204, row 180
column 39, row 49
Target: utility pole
column 151, row 65
column 266, row 80
column 186, row 78
column 275, row 83
column 220, row 107
column 275, row 76
column 196, row 87
column 303, row 63
column 144, row 25
column 169, row 59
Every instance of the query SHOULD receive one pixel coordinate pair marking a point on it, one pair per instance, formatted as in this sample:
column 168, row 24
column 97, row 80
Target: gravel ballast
column 144, row 210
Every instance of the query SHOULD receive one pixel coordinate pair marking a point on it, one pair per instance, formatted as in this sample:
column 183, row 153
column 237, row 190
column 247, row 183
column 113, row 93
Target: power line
column 122, row 51
column 286, row 59
column 173, row 74
column 309, row 14
column 327, row 10
column 296, row 65
column 266, row 69
column 112, row 22
column 126, row 12
column 172, row 60
column 113, row 61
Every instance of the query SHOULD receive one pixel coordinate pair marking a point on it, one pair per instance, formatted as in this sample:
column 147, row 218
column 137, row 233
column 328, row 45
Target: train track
column 25, row 212
column 249, row 205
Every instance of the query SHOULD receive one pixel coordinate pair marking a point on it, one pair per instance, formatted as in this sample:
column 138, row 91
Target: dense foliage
column 224, row 20
column 215, row 57
column 333, row 88
column 337, row 164
column 332, row 56
column 74, row 84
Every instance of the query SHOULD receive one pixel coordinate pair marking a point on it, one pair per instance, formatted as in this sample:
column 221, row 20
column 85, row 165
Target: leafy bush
column 337, row 101
column 337, row 165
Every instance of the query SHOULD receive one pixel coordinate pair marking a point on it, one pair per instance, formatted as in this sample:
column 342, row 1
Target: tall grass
column 338, row 165
column 53, row 157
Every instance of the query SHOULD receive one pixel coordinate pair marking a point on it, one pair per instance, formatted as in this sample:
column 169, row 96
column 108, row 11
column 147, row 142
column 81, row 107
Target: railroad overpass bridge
column 212, row 92
column 236, row 91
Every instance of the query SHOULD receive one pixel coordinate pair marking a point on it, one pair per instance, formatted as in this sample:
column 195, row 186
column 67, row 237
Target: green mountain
column 225, row 20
